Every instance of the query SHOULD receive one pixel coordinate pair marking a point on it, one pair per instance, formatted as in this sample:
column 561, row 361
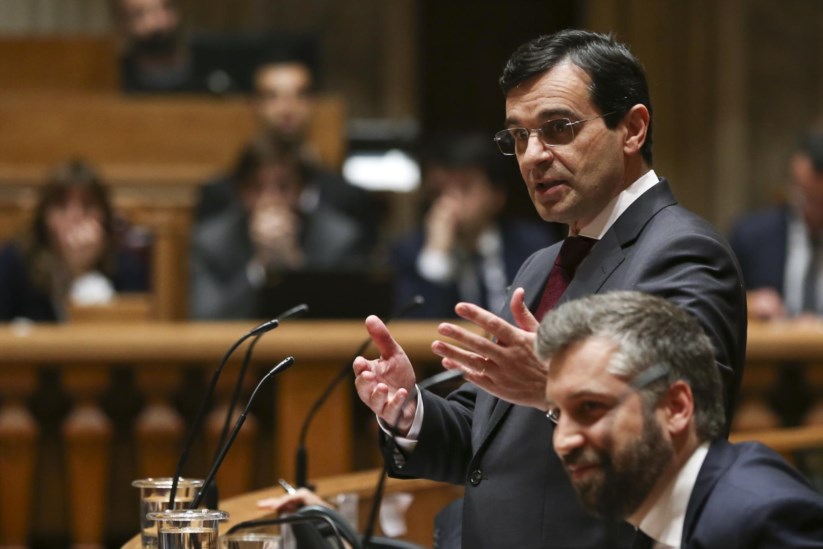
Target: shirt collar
column 664, row 521
column 619, row 204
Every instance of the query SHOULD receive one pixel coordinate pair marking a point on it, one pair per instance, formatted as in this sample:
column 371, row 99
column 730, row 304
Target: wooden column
column 18, row 454
column 329, row 441
column 87, row 433
column 159, row 426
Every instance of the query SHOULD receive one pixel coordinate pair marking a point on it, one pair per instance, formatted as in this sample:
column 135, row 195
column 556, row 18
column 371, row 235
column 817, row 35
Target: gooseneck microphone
column 301, row 458
column 285, row 364
column 294, row 312
column 201, row 412
column 377, row 499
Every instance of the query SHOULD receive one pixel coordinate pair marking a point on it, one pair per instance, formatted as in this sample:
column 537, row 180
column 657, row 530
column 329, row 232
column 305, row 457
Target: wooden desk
column 429, row 498
column 784, row 341
column 159, row 358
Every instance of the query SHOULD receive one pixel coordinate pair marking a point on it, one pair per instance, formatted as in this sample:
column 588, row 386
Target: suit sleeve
column 696, row 269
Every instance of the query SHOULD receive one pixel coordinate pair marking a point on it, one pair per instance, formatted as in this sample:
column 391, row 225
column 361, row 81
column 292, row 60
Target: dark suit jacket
column 747, row 496
column 19, row 298
column 516, row 491
column 520, row 240
column 221, row 249
column 760, row 241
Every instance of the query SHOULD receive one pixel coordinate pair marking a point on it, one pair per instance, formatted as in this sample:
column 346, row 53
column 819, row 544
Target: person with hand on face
column 466, row 248
column 283, row 104
column 265, row 232
column 70, row 254
column 579, row 123
column 636, row 401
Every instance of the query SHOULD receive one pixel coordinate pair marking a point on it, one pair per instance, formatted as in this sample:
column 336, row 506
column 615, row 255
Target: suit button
column 475, row 477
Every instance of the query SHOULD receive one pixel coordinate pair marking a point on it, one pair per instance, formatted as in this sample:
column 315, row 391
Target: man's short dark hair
column 618, row 80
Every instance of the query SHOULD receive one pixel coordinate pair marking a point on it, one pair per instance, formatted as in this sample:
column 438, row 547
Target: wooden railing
column 87, row 407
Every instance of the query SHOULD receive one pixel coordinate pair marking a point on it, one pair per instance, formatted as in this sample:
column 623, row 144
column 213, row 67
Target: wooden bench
column 153, row 151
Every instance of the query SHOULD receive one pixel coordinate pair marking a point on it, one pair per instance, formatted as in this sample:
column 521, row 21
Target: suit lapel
column 533, row 282
column 603, row 259
column 718, row 460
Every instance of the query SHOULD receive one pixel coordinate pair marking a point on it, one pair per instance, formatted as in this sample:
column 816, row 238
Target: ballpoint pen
column 286, row 486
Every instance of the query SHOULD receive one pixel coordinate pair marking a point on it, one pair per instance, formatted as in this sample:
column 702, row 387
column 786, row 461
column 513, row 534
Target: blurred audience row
column 277, row 212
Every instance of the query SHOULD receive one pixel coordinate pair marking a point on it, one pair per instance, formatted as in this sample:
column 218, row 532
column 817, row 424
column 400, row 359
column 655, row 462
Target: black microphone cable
column 296, row 311
column 285, row 364
column 301, row 465
column 201, row 412
column 377, row 499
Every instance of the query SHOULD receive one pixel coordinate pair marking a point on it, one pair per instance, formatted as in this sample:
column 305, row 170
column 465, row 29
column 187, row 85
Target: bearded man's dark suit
column 516, row 491
column 746, row 496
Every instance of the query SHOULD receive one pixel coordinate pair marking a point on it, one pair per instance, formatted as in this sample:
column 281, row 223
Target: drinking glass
column 155, row 494
column 188, row 528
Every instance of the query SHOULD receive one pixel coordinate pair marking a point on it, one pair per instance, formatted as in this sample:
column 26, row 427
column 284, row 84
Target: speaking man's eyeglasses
column 552, row 133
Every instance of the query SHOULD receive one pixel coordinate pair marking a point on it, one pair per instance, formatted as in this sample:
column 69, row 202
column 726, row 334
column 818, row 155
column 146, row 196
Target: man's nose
column 567, row 437
column 536, row 151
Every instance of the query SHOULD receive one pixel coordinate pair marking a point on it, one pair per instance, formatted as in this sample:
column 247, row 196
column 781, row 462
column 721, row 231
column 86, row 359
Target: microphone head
column 284, row 365
column 267, row 326
column 294, row 312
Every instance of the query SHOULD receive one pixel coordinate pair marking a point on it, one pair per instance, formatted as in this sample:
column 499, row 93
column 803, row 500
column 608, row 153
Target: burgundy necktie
column 572, row 252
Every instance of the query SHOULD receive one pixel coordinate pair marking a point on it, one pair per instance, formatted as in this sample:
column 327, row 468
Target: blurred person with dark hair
column 465, row 250
column 779, row 248
column 69, row 254
column 156, row 56
column 283, row 104
column 266, row 230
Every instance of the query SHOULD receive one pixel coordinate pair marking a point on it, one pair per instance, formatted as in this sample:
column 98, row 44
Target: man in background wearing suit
column 466, row 247
column 265, row 234
column 778, row 248
column 578, row 121
column 637, row 405
column 283, row 105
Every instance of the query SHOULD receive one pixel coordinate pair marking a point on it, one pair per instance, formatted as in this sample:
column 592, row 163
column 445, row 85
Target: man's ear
column 636, row 122
column 678, row 407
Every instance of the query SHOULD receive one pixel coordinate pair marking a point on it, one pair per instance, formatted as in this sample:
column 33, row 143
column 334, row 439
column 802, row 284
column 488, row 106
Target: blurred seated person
column 466, row 249
column 69, row 254
column 779, row 248
column 283, row 105
column 156, row 56
column 268, row 230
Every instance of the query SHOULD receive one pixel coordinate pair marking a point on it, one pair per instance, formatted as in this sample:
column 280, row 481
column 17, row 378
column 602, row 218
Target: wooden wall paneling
column 58, row 63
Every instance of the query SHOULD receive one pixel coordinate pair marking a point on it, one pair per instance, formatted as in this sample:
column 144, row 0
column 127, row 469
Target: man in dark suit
column 466, row 248
column 778, row 248
column 283, row 106
column 635, row 397
column 578, row 119
column 264, row 235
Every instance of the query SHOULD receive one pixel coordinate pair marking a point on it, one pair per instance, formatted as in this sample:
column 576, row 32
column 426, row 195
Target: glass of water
column 155, row 494
column 188, row 528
